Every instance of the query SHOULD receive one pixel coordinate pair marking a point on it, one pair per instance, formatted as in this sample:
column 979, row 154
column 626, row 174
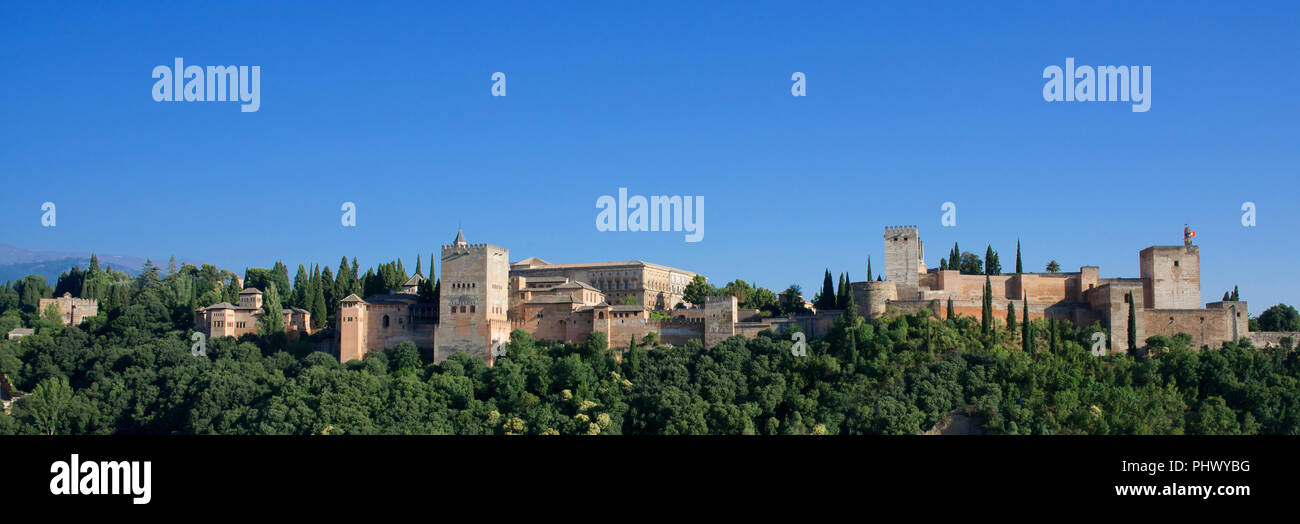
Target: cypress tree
column 826, row 300
column 1235, row 295
column 952, row 313
column 1132, row 324
column 1051, row 330
column 1020, row 268
column 1011, row 316
column 986, row 313
column 943, row 264
column 355, row 281
column 272, row 320
column 1025, row 341
column 868, row 269
column 300, row 297
column 319, row 315
column 418, row 268
column 845, row 294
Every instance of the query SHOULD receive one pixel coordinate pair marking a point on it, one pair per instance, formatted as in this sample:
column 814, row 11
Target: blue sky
column 907, row 107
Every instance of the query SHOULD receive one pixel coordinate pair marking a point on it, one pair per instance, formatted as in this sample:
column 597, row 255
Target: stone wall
column 72, row 310
column 1264, row 339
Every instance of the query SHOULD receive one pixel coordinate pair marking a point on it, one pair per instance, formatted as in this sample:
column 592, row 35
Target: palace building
column 228, row 320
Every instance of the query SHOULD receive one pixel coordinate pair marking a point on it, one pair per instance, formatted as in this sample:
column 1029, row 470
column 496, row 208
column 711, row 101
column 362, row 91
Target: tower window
column 1175, row 263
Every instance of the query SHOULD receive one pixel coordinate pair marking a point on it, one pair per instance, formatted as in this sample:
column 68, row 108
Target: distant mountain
column 16, row 263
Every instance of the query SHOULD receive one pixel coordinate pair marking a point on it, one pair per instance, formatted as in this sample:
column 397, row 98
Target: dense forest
column 130, row 370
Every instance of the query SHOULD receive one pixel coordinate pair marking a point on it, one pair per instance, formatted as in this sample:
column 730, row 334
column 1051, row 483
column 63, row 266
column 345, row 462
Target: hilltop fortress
column 483, row 297
column 1166, row 294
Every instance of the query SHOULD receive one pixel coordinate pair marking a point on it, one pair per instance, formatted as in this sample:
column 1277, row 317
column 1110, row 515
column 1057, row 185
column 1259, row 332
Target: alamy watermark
column 1099, row 84
column 217, row 84
column 656, row 213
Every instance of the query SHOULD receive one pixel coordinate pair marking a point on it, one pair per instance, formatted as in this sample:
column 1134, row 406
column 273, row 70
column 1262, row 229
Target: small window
column 1175, row 263
column 385, row 321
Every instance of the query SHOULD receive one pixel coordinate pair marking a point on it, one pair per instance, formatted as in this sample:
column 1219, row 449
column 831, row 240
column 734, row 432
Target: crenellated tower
column 904, row 260
column 474, row 299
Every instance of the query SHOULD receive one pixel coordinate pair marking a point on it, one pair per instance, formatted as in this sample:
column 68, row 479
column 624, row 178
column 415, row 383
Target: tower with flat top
column 904, row 260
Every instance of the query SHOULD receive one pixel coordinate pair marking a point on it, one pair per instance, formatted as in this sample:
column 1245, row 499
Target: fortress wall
column 623, row 330
column 680, row 331
column 1044, row 288
column 814, row 326
column 1264, row 339
column 1109, row 301
column 1206, row 326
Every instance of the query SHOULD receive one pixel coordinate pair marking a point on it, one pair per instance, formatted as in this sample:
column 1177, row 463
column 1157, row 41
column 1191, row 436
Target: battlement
column 464, row 247
column 900, row 230
column 677, row 321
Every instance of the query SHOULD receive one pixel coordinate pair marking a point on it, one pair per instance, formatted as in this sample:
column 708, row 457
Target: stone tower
column 904, row 260
column 1171, row 277
column 474, row 299
column 719, row 319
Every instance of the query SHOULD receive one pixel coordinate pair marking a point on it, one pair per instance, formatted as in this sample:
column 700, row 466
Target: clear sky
column 907, row 107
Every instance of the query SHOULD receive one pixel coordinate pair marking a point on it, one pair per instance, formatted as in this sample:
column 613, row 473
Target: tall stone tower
column 904, row 260
column 474, row 299
column 1171, row 277
column 719, row 319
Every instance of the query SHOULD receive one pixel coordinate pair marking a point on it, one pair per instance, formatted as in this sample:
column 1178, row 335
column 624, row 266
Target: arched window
column 385, row 321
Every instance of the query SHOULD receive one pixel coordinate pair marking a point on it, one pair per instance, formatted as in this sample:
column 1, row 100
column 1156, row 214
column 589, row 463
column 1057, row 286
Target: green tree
column 698, row 290
column 952, row 313
column 1011, row 317
column 971, row 264
column 825, row 299
column 992, row 266
column 791, row 301
column 49, row 404
column 300, row 292
column 1026, row 331
column 845, row 293
column 319, row 317
column 1053, row 267
column 869, row 268
column 1132, row 324
column 405, row 356
column 272, row 321
column 986, row 308
column 597, row 342
column 1020, row 268
column 1281, row 317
